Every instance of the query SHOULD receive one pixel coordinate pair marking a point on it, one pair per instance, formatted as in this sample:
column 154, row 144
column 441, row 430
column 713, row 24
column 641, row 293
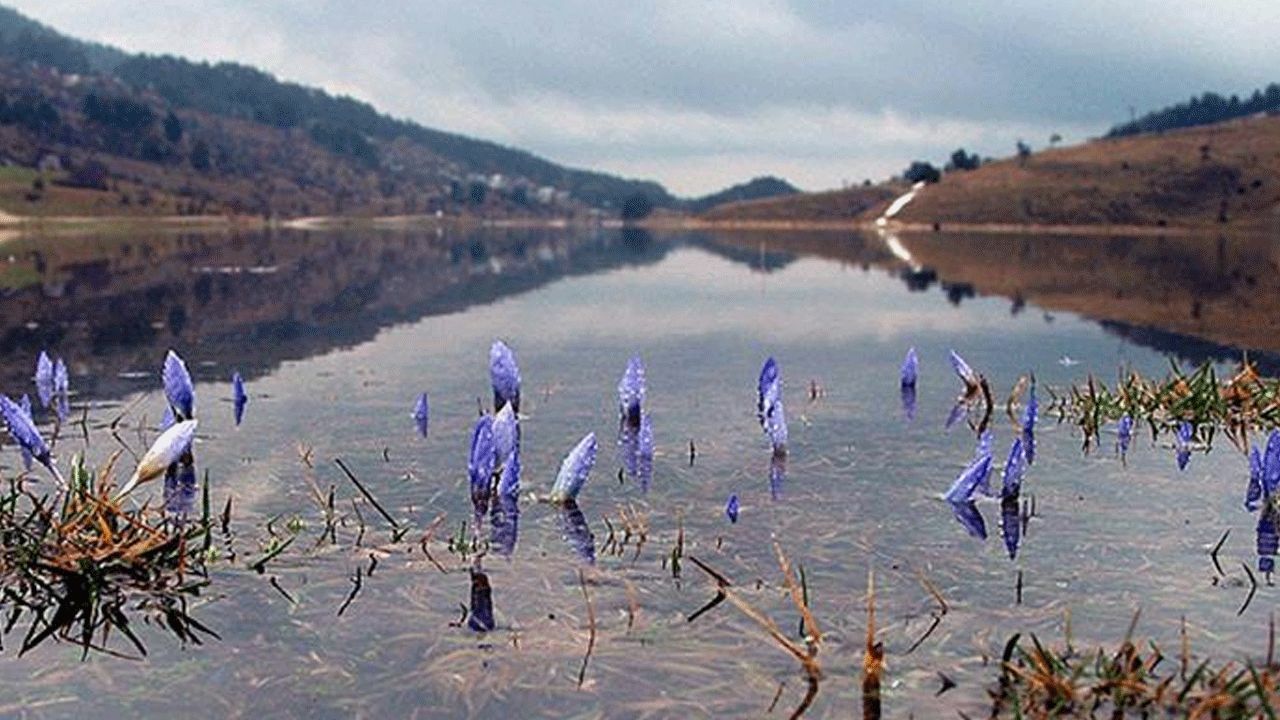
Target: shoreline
column 11, row 225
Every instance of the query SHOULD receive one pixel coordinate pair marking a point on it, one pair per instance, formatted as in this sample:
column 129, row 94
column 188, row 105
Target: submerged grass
column 75, row 565
column 1039, row 681
column 1237, row 405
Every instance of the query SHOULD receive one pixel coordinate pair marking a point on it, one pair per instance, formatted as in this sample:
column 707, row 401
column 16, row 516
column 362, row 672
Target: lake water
column 337, row 333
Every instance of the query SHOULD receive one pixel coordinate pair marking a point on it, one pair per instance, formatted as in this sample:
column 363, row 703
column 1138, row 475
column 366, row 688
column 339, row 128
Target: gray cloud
column 704, row 94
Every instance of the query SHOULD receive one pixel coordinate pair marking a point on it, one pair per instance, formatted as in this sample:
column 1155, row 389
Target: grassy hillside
column 1225, row 175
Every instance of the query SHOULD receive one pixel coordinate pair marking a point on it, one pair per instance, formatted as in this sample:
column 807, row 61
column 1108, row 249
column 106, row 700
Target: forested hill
column 1204, row 110
column 225, row 109
column 756, row 189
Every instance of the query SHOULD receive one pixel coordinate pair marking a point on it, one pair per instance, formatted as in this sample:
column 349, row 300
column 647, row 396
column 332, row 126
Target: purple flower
column 24, row 432
column 772, row 415
column 983, row 450
column 769, row 379
column 1267, row 541
column 509, row 478
column 966, row 373
column 631, row 391
column 973, row 477
column 504, row 375
column 576, row 532
column 172, row 445
column 777, row 476
column 481, row 461
column 1253, row 495
column 1183, row 444
column 731, row 508
column 644, row 452
column 44, row 379
column 966, row 513
column 180, row 489
column 910, row 368
column 957, row 411
column 506, row 437
column 504, row 521
column 1010, row 525
column 178, row 389
column 421, row 414
column 61, row 390
column 25, row 404
column 1124, row 432
column 574, row 470
column 239, row 398
column 480, row 614
column 1029, row 415
column 1014, row 468
column 908, row 393
column 1271, row 464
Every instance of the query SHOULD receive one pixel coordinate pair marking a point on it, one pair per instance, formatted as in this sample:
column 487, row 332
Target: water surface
column 336, row 335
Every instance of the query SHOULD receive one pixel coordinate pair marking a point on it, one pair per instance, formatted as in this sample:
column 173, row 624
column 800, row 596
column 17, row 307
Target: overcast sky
column 700, row 94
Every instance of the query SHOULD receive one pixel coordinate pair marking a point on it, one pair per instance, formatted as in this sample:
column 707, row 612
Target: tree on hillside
column 1024, row 152
column 960, row 160
column 636, row 207
column 921, row 171
column 172, row 128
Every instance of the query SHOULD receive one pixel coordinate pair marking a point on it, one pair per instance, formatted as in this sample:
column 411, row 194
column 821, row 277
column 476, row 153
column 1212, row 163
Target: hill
column 1225, row 175
column 232, row 138
column 755, row 189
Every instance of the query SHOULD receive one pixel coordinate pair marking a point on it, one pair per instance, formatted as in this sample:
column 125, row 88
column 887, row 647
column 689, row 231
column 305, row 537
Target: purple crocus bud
column 504, row 523
column 504, row 375
column 970, row 480
column 908, row 393
column 777, row 476
column 772, row 415
column 1268, row 542
column 24, row 432
column 966, row 513
column 506, row 436
column 1124, row 432
column 966, row 373
column 239, row 398
column 167, row 449
column 27, row 458
column 910, row 368
column 631, row 391
column 769, row 379
column 480, row 462
column 421, row 414
column 180, row 489
column 1253, row 495
column 644, row 453
column 44, row 379
column 731, row 508
column 480, row 613
column 575, row 531
column 1271, row 464
column 178, row 389
column 509, row 478
column 957, row 411
column 1010, row 525
column 61, row 390
column 574, row 470
column 1183, row 444
column 1029, row 415
column 1014, row 468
